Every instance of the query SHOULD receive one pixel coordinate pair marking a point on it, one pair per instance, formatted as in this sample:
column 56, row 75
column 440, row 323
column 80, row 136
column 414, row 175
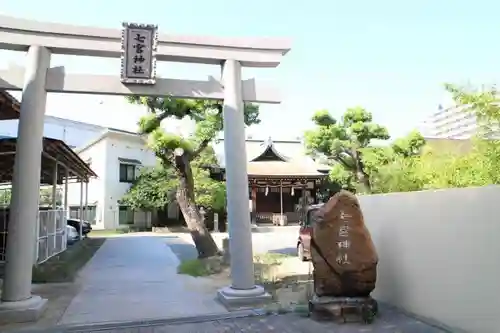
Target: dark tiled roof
column 9, row 106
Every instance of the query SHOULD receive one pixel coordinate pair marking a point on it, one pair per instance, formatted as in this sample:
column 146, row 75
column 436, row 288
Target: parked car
column 86, row 226
column 305, row 231
column 72, row 235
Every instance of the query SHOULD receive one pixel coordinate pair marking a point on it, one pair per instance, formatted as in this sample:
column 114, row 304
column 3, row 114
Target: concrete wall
column 439, row 254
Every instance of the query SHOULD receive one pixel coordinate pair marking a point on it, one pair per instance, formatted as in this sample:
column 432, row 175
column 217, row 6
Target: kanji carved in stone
column 343, row 254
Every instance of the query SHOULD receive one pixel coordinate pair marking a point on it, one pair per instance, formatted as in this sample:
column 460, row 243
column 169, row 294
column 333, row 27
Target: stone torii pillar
column 16, row 293
column 243, row 289
column 36, row 79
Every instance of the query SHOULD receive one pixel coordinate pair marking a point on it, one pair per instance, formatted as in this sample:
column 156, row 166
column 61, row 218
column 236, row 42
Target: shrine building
column 280, row 176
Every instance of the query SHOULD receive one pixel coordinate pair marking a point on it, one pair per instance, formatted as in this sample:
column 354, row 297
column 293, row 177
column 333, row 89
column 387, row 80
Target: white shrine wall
column 439, row 254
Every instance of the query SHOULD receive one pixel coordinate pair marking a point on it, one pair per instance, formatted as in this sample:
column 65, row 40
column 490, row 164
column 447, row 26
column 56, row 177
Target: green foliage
column 209, row 193
column 375, row 157
column 397, row 176
column 194, row 267
column 411, row 145
column 339, row 175
column 438, row 170
column 408, row 164
column 483, row 101
column 45, row 196
column 343, row 143
column 5, row 195
column 206, row 113
column 155, row 187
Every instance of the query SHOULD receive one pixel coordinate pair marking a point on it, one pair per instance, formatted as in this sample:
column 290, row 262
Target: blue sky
column 391, row 57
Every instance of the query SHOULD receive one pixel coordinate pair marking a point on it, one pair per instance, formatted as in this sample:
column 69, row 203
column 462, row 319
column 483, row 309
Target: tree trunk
column 364, row 180
column 185, row 198
column 361, row 176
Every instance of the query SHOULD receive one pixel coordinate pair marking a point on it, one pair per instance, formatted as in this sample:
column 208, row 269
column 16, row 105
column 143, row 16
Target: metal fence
column 4, row 218
column 51, row 234
column 50, row 237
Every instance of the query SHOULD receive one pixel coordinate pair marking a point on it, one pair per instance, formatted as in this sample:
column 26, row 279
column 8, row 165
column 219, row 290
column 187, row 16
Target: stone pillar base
column 22, row 311
column 236, row 297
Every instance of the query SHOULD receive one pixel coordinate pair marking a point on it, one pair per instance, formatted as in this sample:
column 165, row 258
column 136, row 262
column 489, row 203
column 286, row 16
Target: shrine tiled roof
column 279, row 168
column 279, row 158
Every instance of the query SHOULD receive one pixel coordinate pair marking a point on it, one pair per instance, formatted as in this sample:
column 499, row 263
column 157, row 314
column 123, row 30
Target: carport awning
column 53, row 149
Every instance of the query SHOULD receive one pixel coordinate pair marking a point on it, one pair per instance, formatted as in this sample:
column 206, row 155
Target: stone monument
column 344, row 259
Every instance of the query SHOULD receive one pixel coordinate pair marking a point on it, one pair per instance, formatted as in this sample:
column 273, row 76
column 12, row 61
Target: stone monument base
column 27, row 310
column 345, row 309
column 248, row 297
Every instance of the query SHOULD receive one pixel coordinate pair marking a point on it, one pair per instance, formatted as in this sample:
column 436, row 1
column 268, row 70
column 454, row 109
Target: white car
column 72, row 235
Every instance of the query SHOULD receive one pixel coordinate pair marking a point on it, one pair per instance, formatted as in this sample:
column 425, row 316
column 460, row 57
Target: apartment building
column 450, row 122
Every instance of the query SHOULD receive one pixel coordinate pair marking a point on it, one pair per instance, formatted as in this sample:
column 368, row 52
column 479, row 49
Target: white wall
column 120, row 146
column 439, row 254
column 8, row 127
column 96, row 190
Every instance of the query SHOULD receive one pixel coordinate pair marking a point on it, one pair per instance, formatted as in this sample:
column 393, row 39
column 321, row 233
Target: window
column 127, row 173
column 74, row 213
column 125, row 216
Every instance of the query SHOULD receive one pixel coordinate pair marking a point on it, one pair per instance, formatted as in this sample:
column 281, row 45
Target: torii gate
column 40, row 40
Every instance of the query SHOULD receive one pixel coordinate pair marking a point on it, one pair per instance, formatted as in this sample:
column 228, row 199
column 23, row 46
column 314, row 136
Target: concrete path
column 389, row 321
column 135, row 278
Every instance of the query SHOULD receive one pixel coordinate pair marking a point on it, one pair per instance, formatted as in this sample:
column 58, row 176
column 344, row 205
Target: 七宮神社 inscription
column 139, row 43
column 342, row 251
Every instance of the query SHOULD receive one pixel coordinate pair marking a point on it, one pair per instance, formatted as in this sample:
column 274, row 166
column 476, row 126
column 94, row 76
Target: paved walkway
column 135, row 278
column 388, row 321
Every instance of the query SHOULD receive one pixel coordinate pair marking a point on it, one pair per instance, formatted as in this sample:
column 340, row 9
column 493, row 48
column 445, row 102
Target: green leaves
column 342, row 143
column 483, row 102
column 208, row 192
column 207, row 114
column 410, row 145
column 408, row 164
column 163, row 144
column 156, row 186
column 153, row 189
column 323, row 118
column 438, row 168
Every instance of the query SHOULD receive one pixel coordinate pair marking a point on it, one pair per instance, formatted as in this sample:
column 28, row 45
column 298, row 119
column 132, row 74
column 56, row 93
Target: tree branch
column 201, row 147
column 343, row 162
column 204, row 143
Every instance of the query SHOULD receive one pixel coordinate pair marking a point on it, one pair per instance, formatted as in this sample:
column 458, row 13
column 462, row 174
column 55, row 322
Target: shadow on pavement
column 182, row 249
column 271, row 228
